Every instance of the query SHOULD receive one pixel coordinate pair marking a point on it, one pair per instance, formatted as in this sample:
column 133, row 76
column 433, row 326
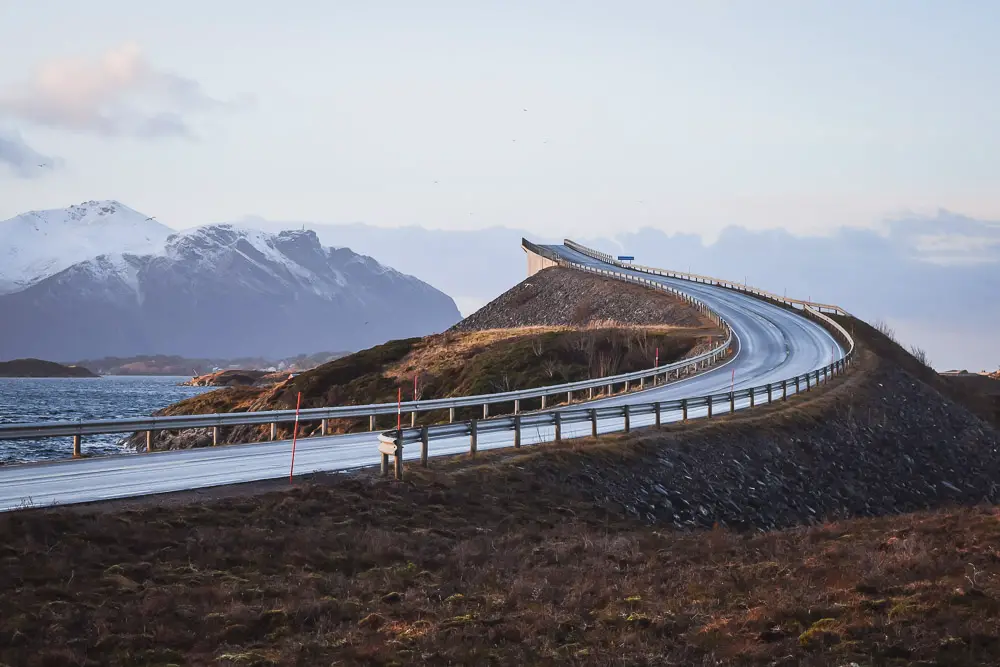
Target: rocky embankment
column 238, row 378
column 564, row 297
column 884, row 439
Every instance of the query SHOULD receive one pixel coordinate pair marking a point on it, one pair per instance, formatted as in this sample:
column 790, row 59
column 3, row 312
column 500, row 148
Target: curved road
column 774, row 344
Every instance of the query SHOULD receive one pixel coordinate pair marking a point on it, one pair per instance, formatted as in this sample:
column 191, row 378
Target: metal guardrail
column 151, row 425
column 707, row 280
column 391, row 444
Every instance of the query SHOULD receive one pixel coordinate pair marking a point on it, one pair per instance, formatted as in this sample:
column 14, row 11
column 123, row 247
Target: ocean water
column 59, row 399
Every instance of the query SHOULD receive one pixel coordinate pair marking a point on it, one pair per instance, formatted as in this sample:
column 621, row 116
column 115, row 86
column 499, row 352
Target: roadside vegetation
column 449, row 364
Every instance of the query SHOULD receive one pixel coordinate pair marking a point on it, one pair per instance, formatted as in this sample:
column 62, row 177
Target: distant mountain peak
column 39, row 244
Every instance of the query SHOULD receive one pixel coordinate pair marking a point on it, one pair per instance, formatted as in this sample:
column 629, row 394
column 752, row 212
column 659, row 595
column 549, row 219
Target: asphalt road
column 774, row 344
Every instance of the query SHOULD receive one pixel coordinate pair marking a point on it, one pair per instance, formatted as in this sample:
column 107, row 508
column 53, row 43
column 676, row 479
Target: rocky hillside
column 221, row 291
column 884, row 439
column 559, row 296
column 238, row 378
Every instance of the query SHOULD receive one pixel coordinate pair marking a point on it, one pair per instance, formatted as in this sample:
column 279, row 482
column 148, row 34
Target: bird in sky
column 151, row 218
column 43, row 165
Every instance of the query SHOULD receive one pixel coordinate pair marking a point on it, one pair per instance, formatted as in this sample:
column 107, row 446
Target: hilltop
column 37, row 368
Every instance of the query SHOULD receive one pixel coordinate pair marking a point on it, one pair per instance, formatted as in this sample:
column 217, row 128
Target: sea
column 61, row 399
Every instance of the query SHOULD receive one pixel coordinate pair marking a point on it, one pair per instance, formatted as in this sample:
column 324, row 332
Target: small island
column 39, row 368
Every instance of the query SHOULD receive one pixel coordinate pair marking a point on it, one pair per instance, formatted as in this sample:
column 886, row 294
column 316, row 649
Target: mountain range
column 214, row 291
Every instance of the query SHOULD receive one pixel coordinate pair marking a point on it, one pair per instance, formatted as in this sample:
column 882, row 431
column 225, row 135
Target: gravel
column 563, row 297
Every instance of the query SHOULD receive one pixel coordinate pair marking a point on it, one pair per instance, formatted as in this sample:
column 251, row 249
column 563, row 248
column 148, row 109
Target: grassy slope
column 459, row 364
column 484, row 565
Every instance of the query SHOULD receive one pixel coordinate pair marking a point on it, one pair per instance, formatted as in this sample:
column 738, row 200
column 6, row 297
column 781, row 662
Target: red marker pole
column 656, row 364
column 295, row 436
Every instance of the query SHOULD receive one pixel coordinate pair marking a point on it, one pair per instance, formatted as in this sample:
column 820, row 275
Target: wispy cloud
column 119, row 94
column 22, row 159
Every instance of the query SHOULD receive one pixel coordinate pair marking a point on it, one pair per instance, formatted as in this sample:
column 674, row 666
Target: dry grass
column 481, row 565
column 446, row 352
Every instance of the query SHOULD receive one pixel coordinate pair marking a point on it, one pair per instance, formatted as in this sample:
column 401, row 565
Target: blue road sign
column 626, row 258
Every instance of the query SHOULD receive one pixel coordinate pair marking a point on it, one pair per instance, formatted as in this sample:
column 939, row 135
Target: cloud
column 22, row 159
column 119, row 94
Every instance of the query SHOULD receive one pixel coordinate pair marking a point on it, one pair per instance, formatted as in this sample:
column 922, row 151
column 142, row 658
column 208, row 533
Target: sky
column 562, row 118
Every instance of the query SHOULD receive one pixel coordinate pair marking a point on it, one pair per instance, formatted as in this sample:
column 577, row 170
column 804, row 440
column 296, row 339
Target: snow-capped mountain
column 38, row 244
column 220, row 291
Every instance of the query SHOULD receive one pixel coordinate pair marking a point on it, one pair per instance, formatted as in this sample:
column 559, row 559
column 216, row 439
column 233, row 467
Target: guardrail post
column 610, row 388
column 628, row 419
column 784, row 390
column 517, row 406
column 215, row 436
column 817, row 379
column 732, row 402
column 413, row 419
column 399, row 455
column 517, row 430
column 590, row 394
column 385, row 465
column 274, row 431
column 753, row 398
column 322, row 427
column 626, row 386
column 371, row 423
column 543, row 402
column 451, row 415
column 593, row 423
column 684, row 409
column 424, row 441
column 808, row 386
column 473, row 437
column 569, row 397
column 76, row 446
column 642, row 383
column 558, row 423
column 486, row 410
column 149, row 441
column 656, row 408
column 708, row 401
column 797, row 384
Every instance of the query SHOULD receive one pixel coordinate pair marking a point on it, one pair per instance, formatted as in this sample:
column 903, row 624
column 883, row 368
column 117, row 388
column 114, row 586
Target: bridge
column 775, row 347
